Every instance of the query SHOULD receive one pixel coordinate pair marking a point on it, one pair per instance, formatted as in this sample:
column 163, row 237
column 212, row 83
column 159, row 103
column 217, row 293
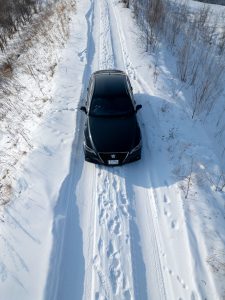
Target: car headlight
column 89, row 149
column 136, row 148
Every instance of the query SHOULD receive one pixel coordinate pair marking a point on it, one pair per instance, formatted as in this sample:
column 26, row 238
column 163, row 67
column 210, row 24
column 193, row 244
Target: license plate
column 113, row 162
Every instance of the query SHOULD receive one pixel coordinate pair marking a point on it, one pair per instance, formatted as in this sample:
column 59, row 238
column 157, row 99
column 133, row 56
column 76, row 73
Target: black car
column 112, row 134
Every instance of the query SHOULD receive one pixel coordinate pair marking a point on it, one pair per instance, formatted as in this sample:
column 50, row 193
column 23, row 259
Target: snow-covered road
column 76, row 230
column 114, row 258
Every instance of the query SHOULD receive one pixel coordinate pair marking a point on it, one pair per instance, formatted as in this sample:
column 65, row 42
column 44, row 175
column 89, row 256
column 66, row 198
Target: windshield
column 110, row 106
column 111, row 96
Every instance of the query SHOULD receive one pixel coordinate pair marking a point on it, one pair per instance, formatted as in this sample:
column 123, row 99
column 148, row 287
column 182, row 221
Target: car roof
column 110, row 84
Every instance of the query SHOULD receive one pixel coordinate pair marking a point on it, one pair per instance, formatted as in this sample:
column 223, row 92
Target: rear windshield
column 111, row 97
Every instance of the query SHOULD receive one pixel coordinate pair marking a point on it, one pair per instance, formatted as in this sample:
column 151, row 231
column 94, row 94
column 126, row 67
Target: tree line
column 14, row 14
column 195, row 38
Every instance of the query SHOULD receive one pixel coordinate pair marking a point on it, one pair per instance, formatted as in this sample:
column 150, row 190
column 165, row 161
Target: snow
column 153, row 229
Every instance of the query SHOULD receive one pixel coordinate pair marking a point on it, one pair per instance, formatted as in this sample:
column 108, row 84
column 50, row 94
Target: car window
column 111, row 106
column 90, row 91
column 111, row 97
column 110, row 85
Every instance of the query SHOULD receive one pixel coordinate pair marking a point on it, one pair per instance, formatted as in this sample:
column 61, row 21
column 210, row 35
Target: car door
column 88, row 102
column 90, row 90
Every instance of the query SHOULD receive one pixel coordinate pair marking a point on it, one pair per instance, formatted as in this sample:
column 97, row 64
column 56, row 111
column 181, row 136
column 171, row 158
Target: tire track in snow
column 106, row 58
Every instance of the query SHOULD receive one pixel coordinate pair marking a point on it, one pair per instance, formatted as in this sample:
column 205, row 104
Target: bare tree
column 209, row 86
column 13, row 14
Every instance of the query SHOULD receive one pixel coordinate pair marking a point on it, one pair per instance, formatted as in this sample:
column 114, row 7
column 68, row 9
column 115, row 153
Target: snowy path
column 113, row 256
column 118, row 269
column 106, row 232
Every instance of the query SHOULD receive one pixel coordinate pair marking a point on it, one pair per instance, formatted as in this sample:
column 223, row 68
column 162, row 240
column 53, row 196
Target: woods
column 196, row 40
column 28, row 60
column 13, row 14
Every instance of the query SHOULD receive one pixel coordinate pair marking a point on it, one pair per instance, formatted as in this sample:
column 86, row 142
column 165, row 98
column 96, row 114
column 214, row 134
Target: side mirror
column 139, row 106
column 84, row 109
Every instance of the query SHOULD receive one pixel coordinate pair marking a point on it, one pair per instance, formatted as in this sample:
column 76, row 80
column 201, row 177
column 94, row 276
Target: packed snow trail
column 109, row 258
column 118, row 269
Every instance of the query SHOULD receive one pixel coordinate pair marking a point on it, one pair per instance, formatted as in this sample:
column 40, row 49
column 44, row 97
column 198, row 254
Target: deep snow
column 76, row 230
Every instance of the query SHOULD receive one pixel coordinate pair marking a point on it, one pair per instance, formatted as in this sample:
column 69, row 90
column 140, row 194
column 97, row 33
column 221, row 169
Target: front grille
column 120, row 156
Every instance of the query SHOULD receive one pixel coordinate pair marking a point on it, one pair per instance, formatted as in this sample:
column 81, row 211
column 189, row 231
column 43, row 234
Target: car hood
column 113, row 134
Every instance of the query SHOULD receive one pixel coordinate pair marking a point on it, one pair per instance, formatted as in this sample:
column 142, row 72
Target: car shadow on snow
column 170, row 138
column 154, row 168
